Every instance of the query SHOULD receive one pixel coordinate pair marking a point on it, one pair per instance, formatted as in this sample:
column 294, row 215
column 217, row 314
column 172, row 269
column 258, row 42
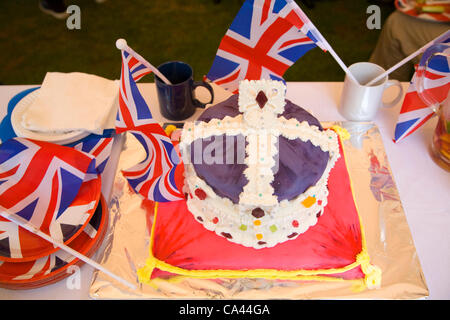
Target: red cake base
column 328, row 249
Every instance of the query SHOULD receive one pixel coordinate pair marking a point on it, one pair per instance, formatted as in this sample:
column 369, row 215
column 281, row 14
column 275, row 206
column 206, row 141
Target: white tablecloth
column 424, row 187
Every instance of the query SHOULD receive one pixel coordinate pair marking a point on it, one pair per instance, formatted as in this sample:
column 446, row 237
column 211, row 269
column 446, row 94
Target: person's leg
column 389, row 49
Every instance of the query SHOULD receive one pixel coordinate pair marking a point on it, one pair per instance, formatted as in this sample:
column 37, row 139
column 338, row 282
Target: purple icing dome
column 300, row 164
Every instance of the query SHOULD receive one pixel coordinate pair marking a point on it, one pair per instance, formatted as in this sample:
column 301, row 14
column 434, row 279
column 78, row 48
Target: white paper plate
column 58, row 138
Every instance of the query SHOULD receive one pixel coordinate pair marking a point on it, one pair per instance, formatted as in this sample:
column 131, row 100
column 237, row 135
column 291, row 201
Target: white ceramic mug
column 360, row 102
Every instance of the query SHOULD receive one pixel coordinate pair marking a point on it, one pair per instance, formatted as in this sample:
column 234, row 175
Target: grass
column 34, row 43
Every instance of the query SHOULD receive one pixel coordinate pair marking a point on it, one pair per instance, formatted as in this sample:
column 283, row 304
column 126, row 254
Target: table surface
column 423, row 186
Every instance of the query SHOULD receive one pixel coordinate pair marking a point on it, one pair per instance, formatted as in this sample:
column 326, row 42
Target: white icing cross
column 261, row 102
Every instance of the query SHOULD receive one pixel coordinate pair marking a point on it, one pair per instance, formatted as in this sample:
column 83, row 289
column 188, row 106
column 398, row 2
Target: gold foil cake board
column 388, row 237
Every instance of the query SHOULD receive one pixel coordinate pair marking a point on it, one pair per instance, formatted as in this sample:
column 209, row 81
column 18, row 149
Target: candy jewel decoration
column 258, row 213
column 200, row 194
column 261, row 99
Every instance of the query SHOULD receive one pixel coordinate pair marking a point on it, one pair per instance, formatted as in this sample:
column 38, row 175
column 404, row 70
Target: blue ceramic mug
column 177, row 100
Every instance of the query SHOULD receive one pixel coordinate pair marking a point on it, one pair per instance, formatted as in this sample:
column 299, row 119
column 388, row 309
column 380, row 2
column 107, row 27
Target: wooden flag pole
column 408, row 58
column 121, row 44
column 27, row 226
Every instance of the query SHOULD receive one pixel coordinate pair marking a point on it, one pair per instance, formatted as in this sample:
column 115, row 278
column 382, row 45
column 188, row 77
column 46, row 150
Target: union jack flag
column 133, row 110
column 42, row 182
column 99, row 146
column 45, row 267
column 153, row 178
column 415, row 112
column 264, row 40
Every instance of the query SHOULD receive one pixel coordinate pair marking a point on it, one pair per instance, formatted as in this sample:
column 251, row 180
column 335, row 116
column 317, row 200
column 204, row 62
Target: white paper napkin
column 72, row 102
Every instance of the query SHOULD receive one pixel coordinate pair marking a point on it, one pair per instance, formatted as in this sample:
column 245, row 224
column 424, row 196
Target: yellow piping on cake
column 341, row 132
column 144, row 274
column 372, row 273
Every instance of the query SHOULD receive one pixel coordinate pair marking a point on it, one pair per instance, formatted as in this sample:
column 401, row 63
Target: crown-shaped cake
column 257, row 166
